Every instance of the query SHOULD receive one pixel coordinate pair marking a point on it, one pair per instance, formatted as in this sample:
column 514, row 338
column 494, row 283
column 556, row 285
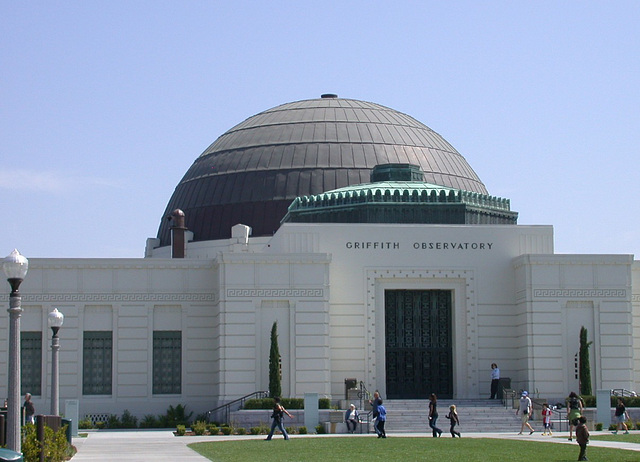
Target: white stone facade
column 515, row 303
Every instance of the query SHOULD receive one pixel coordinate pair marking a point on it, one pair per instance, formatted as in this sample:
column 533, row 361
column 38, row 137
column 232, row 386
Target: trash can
column 7, row 455
column 348, row 385
column 505, row 383
column 67, row 432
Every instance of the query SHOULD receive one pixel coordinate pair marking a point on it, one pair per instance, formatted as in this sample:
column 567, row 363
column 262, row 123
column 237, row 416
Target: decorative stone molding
column 579, row 293
column 275, row 293
column 139, row 297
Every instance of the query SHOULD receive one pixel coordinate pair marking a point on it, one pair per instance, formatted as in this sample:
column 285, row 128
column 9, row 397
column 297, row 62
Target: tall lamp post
column 55, row 321
column 15, row 267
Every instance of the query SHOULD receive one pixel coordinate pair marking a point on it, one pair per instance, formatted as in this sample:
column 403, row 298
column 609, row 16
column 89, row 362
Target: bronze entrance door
column 418, row 343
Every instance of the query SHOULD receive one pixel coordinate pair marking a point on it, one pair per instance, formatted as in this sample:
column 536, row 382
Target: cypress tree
column 275, row 388
column 585, row 367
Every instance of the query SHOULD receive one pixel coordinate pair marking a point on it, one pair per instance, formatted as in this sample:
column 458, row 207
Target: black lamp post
column 15, row 267
column 55, row 321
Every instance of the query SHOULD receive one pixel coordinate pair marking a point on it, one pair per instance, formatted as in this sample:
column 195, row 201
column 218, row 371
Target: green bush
column 127, row 420
column 288, row 403
column 213, row 429
column 55, row 447
column 149, row 421
column 320, row 429
column 85, row 424
column 259, row 430
column 638, row 425
column 180, row 430
column 241, row 431
column 302, row 430
column 290, row 430
column 599, row 426
column 199, row 427
column 113, row 422
column 226, row 430
column 30, row 444
column 100, row 425
column 628, row 401
column 612, row 427
column 177, row 416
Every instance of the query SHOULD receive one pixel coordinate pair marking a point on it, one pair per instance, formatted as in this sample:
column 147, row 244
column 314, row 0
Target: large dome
column 253, row 172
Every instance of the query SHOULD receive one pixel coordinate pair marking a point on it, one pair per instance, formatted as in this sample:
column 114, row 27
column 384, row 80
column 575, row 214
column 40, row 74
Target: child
column 381, row 419
column 546, row 419
column 453, row 419
column 582, row 436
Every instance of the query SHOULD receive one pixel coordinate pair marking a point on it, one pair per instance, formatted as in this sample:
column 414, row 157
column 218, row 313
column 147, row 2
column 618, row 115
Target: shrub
column 177, row 416
column 213, row 429
column 302, row 430
column 320, row 429
column 638, row 425
column 181, row 430
column 113, row 422
column 55, row 447
column 612, row 427
column 149, row 421
column 30, row 444
column 259, row 430
column 290, row 430
column 289, row 403
column 241, row 431
column 599, row 426
column 127, row 420
column 85, row 424
column 226, row 430
column 199, row 427
column 100, row 425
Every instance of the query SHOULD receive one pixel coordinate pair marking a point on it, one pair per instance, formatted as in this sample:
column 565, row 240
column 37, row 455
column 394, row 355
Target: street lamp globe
column 15, row 267
column 55, row 321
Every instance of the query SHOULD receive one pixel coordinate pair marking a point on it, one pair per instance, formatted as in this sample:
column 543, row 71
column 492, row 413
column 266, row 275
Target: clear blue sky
column 104, row 105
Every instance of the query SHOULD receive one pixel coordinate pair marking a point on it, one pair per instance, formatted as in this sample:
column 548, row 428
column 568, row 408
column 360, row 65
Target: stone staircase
column 476, row 415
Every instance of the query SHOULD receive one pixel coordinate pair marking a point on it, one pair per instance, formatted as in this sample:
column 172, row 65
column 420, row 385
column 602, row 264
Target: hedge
column 288, row 403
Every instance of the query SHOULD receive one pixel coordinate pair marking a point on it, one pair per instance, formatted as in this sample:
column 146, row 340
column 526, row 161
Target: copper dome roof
column 253, row 172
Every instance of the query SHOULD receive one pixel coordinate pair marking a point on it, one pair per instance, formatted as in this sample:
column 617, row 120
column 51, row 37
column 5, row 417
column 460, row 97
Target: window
column 31, row 363
column 167, row 362
column 97, row 362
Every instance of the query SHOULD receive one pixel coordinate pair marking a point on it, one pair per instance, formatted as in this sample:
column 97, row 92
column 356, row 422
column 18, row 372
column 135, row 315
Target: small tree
column 275, row 387
column 584, row 365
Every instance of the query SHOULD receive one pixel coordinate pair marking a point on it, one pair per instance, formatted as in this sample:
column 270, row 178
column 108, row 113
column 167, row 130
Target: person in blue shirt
column 382, row 418
column 495, row 380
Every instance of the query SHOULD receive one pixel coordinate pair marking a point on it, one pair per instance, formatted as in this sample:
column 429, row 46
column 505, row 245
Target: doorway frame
column 461, row 283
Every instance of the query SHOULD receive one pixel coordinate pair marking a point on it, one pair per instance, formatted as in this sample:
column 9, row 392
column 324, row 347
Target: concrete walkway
column 154, row 445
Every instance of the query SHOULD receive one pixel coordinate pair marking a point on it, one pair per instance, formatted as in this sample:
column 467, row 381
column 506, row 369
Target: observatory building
column 371, row 242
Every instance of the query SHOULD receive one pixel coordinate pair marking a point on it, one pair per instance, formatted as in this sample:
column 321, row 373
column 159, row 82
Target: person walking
column 546, row 419
column 574, row 410
column 453, row 421
column 525, row 409
column 381, row 420
column 621, row 416
column 375, row 402
column 433, row 415
column 278, row 416
column 29, row 409
column 582, row 436
column 495, row 380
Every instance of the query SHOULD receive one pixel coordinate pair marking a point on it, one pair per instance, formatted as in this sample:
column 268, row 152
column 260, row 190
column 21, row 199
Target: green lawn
column 402, row 449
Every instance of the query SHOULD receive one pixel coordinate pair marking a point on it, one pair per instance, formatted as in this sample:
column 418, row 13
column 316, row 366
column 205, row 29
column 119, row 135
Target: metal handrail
column 227, row 407
column 622, row 392
column 362, row 394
